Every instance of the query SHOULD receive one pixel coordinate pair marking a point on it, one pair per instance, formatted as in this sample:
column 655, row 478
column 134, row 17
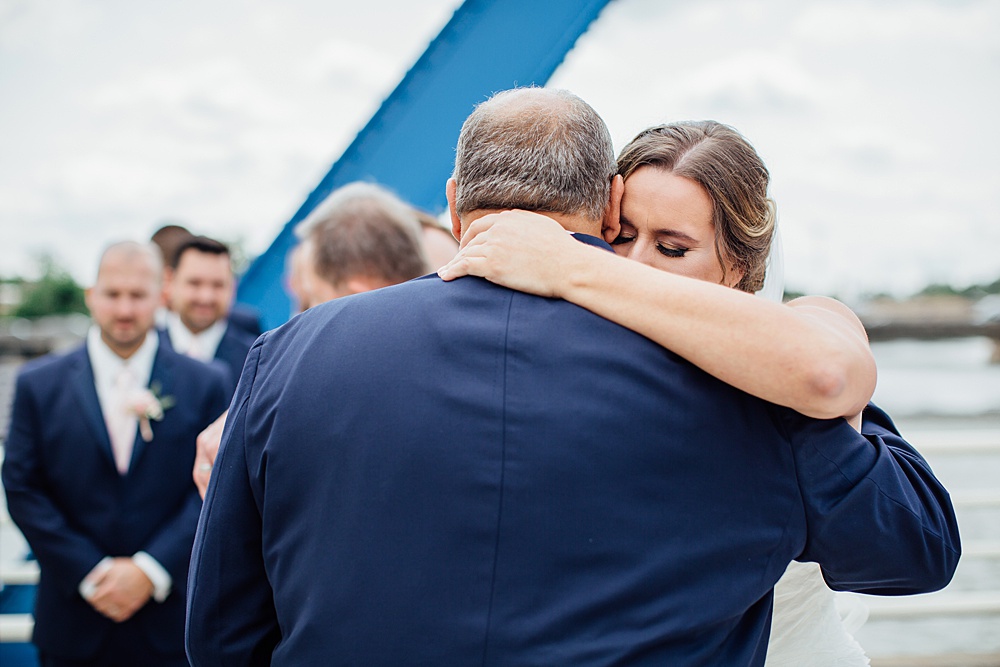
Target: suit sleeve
column 231, row 618
column 170, row 545
column 64, row 553
column 878, row 519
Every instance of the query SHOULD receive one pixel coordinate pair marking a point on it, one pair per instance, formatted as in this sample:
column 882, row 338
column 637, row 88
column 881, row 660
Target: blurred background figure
column 96, row 476
column 200, row 298
column 167, row 238
column 439, row 245
column 296, row 264
column 360, row 238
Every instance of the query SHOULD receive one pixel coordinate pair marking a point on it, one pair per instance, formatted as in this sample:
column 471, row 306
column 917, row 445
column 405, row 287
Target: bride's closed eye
column 667, row 251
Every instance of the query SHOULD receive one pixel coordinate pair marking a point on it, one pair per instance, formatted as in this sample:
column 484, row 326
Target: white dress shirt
column 107, row 364
column 201, row 346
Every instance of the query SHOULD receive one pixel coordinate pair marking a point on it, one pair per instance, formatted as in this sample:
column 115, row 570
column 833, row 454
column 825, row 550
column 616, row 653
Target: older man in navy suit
column 97, row 475
column 454, row 473
column 200, row 296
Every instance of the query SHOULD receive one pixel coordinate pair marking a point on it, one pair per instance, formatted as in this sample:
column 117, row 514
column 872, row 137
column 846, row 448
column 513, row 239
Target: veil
column 774, row 278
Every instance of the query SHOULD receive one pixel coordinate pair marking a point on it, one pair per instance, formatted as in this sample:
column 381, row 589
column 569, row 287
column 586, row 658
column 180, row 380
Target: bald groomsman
column 97, row 476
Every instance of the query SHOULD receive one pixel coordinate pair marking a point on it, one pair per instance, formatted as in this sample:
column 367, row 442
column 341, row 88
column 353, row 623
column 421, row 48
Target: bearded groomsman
column 200, row 296
column 97, row 476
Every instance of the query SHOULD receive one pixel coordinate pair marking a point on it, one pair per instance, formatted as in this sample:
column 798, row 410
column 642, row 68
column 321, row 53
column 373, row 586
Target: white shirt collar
column 206, row 343
column 106, row 363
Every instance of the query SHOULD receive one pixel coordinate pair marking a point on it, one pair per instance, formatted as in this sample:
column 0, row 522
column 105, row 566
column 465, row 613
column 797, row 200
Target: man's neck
column 574, row 223
column 577, row 224
column 200, row 345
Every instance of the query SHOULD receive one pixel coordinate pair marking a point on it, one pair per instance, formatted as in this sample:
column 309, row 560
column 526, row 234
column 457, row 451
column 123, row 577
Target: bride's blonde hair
column 721, row 161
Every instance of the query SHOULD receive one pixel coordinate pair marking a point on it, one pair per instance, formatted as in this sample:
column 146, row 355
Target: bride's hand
column 526, row 251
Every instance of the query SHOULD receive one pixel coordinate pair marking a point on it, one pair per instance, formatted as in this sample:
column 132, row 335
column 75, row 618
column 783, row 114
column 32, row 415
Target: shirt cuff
column 162, row 581
column 89, row 583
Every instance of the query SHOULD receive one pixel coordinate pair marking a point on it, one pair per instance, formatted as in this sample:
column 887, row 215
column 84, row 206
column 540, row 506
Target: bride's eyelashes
column 667, row 251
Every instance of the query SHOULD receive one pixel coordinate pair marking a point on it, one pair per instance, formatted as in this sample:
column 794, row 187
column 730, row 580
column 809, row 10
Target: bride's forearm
column 811, row 356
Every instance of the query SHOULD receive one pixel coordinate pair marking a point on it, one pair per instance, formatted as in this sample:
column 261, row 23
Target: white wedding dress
column 807, row 630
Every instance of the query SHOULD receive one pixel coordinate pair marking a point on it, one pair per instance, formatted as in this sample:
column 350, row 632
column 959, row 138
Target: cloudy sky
column 876, row 118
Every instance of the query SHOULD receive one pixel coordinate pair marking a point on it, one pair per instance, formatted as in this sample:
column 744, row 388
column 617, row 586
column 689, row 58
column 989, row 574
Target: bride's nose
column 639, row 250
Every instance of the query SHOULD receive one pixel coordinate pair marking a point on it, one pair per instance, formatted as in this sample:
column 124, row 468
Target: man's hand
column 121, row 590
column 206, row 447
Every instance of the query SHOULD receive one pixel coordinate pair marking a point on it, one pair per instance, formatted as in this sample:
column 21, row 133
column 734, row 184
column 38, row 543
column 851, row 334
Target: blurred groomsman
column 168, row 239
column 97, row 476
column 362, row 237
column 200, row 297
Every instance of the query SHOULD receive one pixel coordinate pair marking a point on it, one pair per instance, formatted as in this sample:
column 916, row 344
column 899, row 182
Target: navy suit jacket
column 74, row 508
column 456, row 474
column 230, row 354
column 246, row 318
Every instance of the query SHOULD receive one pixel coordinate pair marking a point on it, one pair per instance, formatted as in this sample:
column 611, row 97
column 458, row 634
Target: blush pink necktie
column 121, row 422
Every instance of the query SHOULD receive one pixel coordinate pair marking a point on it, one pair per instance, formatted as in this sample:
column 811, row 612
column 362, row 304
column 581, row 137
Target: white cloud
column 837, row 24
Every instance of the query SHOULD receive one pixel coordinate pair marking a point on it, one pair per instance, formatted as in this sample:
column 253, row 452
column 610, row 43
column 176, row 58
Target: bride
column 697, row 218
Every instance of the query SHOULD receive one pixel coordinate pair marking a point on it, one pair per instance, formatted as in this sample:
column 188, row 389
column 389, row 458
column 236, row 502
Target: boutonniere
column 147, row 404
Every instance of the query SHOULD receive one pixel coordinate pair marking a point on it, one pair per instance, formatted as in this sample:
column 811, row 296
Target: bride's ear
column 611, row 225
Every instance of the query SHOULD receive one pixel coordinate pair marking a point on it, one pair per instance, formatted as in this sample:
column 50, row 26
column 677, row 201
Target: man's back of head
column 168, row 239
column 361, row 237
column 538, row 150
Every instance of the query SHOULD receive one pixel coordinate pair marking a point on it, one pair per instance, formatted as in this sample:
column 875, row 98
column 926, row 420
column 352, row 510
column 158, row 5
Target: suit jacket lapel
column 161, row 382
column 164, row 336
column 82, row 381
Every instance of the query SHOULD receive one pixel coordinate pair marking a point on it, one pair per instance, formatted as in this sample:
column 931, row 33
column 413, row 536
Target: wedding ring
column 204, row 467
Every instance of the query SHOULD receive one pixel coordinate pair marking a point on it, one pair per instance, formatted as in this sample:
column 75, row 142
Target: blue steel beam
column 409, row 144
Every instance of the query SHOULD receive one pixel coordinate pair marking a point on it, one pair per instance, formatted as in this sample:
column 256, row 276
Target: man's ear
column 611, row 225
column 456, row 224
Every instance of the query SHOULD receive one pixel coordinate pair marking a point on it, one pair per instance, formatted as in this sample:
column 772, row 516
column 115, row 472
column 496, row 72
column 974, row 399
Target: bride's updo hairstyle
column 728, row 168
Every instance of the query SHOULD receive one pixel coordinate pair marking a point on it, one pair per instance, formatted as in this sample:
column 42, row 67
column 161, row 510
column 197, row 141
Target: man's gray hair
column 535, row 149
column 362, row 229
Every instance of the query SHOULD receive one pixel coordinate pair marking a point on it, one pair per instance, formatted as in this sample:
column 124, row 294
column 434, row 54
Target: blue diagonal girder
column 409, row 144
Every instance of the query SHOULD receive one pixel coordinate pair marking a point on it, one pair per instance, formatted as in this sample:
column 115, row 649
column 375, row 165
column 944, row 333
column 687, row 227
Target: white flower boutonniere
column 147, row 404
